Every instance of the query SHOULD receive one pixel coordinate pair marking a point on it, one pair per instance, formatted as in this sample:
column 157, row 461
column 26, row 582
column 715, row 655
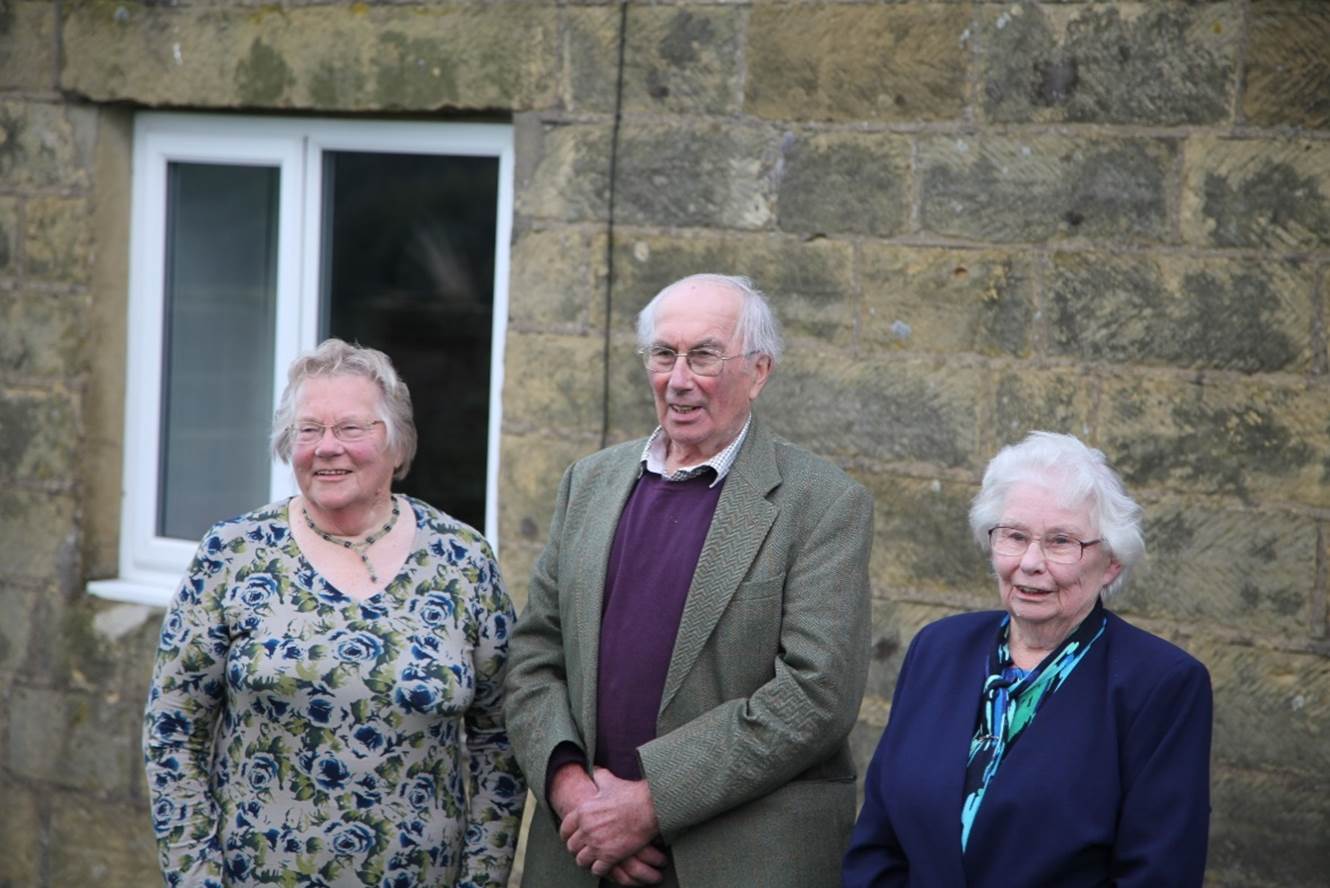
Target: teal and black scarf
column 1011, row 698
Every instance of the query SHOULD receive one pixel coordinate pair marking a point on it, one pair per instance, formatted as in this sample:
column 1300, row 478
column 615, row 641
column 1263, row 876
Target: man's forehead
column 698, row 311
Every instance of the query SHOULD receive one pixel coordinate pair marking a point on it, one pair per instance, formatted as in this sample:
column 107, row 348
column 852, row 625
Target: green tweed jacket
column 750, row 772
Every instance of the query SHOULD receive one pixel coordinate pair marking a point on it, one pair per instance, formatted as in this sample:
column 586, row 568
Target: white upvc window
column 254, row 238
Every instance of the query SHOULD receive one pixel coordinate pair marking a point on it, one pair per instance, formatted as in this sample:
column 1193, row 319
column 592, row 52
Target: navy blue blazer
column 1109, row 785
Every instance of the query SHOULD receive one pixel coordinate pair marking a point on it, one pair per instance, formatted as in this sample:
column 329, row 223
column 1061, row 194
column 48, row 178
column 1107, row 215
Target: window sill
column 150, row 591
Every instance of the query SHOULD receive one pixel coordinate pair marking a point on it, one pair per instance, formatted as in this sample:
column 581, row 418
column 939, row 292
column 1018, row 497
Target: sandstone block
column 16, row 633
column 714, row 174
column 1288, row 67
column 853, row 62
column 1267, row 827
column 22, row 825
column 845, row 182
column 41, row 434
column 946, row 301
column 1228, row 314
column 558, row 280
column 1108, row 63
column 1251, row 571
column 9, row 236
column 553, row 383
column 43, row 145
column 58, row 240
column 632, row 412
column 568, row 178
column 1255, row 440
column 809, row 283
column 1005, row 188
column 27, row 45
column 878, row 410
column 1054, row 400
column 1256, row 193
column 591, row 57
column 41, row 335
column 353, row 57
column 533, row 467
column 36, row 534
column 682, row 59
column 105, row 843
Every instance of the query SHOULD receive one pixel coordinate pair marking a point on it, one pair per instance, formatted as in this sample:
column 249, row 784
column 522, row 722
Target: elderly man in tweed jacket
column 694, row 647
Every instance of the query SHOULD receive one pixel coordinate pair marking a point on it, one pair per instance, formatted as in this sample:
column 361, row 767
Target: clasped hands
column 608, row 824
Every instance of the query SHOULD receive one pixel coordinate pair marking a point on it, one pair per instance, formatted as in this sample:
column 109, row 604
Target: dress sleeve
column 187, row 694
column 1164, row 822
column 496, row 791
column 875, row 858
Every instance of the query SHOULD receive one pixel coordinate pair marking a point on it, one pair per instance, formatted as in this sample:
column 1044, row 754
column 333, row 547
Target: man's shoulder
column 609, row 461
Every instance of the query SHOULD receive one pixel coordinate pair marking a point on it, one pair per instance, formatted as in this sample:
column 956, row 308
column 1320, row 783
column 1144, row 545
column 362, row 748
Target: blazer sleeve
column 1165, row 816
column 745, row 748
column 875, row 858
column 537, row 709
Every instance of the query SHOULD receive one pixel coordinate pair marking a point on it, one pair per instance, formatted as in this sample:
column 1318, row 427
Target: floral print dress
column 296, row 736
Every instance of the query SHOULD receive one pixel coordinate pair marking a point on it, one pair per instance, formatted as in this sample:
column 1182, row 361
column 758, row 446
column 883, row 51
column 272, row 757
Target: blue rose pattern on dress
column 295, row 736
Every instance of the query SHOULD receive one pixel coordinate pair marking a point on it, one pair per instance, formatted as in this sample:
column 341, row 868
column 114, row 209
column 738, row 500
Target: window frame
column 150, row 566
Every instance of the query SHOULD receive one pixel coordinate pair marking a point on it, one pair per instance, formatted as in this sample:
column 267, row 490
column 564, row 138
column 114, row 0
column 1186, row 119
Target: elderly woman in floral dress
column 326, row 707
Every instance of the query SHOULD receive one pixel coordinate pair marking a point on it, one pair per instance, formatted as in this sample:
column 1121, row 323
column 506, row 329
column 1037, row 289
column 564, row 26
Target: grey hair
column 333, row 357
column 1081, row 475
column 758, row 327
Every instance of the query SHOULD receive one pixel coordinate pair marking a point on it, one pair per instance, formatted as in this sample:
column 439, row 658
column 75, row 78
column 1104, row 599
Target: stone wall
column 976, row 218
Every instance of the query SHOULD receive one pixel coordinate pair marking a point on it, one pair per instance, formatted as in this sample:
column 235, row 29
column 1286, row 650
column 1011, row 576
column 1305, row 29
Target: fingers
column 639, row 871
column 569, row 826
column 652, row 856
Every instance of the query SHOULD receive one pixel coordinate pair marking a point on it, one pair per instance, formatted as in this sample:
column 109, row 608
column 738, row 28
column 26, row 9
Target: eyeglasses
column 702, row 361
column 1059, row 548
column 346, row 432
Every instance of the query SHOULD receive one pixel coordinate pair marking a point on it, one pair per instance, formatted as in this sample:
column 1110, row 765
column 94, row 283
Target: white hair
column 333, row 357
column 1081, row 476
column 758, row 328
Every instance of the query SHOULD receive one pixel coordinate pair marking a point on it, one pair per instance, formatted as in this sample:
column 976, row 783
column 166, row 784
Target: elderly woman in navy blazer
column 1050, row 743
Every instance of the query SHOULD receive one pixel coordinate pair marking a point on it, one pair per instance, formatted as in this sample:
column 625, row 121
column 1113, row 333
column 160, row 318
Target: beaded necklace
column 361, row 548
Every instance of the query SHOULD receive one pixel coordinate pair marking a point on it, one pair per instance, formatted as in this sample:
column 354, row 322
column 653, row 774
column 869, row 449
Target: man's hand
column 643, row 868
column 603, row 831
column 570, row 787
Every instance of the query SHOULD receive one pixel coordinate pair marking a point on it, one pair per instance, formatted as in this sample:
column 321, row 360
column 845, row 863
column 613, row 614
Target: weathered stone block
column 1054, row 399
column 570, row 175
column 1004, row 188
column 845, row 182
column 27, row 45
column 1221, row 313
column 558, row 280
column 77, row 740
column 835, row 62
column 22, row 827
column 104, row 843
column 1271, row 707
column 922, row 548
column 1250, row 571
column 885, row 411
column 352, row 57
column 681, row 59
column 632, row 408
column 41, row 335
column 1268, row 827
column 41, row 433
column 706, row 173
column 553, row 383
column 1255, row 440
column 1256, row 193
column 37, row 534
column 16, row 632
column 43, row 145
column 1288, row 66
column 9, row 236
column 1108, row 63
column 533, row 468
column 58, row 241
column 946, row 300
column 591, row 57
column 809, row 283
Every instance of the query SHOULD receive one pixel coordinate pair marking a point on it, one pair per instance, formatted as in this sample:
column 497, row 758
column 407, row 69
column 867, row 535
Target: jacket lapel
column 593, row 555
column 741, row 522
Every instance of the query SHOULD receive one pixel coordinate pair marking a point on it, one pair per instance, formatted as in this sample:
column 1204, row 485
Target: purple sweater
column 655, row 551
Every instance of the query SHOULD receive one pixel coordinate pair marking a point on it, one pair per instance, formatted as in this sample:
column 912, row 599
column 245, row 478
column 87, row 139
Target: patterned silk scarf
column 1010, row 700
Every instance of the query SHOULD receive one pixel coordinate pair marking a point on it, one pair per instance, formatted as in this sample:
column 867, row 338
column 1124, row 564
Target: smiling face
column 701, row 415
column 1047, row 601
column 338, row 478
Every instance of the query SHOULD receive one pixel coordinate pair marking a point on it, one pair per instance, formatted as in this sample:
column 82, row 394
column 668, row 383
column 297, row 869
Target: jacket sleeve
column 538, row 712
column 745, row 748
column 1164, row 822
column 187, row 694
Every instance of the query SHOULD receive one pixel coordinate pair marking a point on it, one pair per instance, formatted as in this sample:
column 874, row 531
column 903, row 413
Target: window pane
column 220, row 297
column 409, row 269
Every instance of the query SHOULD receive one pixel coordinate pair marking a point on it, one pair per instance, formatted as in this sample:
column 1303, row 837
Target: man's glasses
column 702, row 361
